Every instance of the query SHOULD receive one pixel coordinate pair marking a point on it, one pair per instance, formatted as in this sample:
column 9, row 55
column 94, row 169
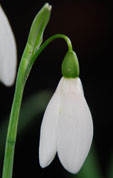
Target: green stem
column 24, row 69
column 49, row 40
column 13, row 121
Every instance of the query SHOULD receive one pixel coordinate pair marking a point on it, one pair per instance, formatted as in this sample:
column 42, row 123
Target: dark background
column 89, row 25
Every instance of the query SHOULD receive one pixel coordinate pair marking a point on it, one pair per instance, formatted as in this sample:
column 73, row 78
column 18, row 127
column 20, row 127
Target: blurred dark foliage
column 89, row 25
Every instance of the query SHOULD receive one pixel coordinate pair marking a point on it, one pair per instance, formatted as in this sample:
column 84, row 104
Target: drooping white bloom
column 8, row 54
column 67, row 127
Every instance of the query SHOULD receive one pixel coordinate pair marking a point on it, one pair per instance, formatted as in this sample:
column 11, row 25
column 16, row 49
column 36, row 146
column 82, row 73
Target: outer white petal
column 8, row 54
column 75, row 128
column 47, row 147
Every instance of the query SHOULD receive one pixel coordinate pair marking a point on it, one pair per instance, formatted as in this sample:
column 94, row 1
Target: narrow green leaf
column 38, row 26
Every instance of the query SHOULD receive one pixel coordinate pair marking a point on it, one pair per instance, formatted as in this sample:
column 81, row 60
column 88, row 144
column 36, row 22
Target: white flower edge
column 67, row 127
column 8, row 52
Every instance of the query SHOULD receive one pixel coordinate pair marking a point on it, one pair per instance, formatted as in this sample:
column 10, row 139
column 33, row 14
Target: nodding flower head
column 8, row 55
column 67, row 127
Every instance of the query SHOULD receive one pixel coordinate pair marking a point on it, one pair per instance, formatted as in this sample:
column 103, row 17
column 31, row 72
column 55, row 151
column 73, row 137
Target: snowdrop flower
column 7, row 51
column 67, row 127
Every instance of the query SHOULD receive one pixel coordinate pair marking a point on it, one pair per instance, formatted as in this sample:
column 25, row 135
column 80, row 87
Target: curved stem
column 49, row 40
column 23, row 72
column 68, row 41
column 58, row 36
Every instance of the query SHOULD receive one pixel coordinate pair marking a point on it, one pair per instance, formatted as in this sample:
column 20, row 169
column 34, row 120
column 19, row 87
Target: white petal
column 75, row 128
column 47, row 147
column 8, row 54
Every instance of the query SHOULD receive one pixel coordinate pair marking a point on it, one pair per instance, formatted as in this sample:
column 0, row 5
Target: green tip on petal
column 70, row 65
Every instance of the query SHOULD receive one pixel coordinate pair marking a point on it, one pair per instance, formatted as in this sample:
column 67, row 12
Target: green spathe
column 37, row 28
column 70, row 65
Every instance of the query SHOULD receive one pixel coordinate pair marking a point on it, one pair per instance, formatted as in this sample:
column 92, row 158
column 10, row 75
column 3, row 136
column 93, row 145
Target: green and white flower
column 67, row 127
